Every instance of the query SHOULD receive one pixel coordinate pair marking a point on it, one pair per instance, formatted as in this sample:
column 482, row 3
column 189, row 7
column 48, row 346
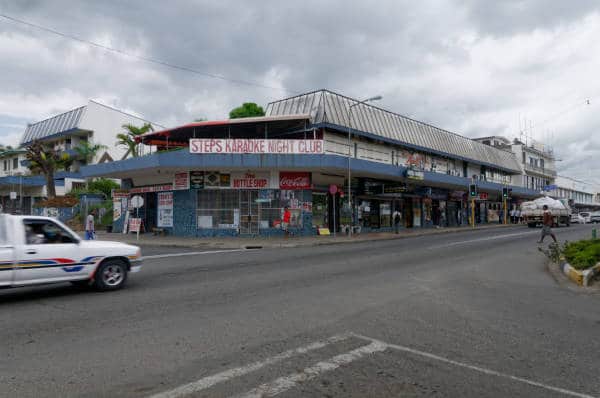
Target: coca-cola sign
column 294, row 180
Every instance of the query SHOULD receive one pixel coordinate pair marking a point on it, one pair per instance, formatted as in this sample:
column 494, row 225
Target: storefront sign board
column 294, row 180
column 181, row 181
column 152, row 188
column 119, row 194
column 117, row 207
column 165, row 209
column 135, row 224
column 250, row 180
column 196, row 179
column 415, row 175
column 259, row 146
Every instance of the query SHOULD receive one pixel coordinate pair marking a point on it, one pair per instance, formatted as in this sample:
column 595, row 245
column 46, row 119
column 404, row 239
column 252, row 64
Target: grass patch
column 583, row 254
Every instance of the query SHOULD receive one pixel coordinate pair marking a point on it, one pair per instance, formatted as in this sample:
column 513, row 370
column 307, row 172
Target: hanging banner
column 181, row 182
column 294, row 180
column 250, row 180
column 293, row 147
column 165, row 209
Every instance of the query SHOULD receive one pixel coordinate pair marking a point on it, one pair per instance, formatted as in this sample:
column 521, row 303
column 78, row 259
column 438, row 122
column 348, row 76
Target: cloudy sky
column 474, row 67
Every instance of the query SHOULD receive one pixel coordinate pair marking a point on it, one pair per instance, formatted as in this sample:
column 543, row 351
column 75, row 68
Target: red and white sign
column 181, row 181
column 153, row 188
column 294, row 180
column 483, row 196
column 292, row 147
column 250, row 181
column 135, row 224
column 119, row 194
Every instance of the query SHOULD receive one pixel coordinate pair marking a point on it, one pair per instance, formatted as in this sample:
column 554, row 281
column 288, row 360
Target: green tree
column 86, row 152
column 44, row 159
column 127, row 139
column 248, row 109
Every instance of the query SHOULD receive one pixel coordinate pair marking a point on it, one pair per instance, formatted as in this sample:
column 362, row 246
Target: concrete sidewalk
column 273, row 242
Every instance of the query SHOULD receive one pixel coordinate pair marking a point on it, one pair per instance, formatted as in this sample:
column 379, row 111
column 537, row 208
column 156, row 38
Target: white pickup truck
column 37, row 250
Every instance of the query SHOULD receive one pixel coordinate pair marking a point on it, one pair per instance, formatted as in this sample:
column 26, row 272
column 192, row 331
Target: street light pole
column 375, row 98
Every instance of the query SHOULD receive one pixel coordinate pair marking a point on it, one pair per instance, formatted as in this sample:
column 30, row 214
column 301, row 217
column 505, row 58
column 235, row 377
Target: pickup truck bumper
column 136, row 266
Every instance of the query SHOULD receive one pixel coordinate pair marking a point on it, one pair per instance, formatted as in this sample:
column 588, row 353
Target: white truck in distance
column 533, row 212
column 39, row 250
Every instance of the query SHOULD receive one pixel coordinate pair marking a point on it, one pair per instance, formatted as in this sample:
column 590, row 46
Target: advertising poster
column 181, row 181
column 165, row 209
column 117, row 209
column 196, row 179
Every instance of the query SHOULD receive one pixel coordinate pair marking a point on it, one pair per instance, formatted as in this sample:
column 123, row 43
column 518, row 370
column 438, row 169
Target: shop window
column 319, row 210
column 385, row 214
column 218, row 209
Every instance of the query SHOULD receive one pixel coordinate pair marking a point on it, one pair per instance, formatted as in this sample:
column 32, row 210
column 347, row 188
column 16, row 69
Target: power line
column 142, row 58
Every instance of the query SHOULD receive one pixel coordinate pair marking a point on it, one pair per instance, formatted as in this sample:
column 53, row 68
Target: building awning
column 272, row 126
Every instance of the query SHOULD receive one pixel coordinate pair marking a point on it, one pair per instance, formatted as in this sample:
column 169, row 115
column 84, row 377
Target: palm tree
column 86, row 152
column 127, row 139
column 46, row 160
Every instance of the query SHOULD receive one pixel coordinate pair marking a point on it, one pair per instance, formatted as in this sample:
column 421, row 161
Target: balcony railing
column 540, row 170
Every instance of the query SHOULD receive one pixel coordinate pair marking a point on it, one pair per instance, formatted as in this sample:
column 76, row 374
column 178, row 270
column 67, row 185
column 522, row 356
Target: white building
column 537, row 163
column 95, row 123
column 582, row 195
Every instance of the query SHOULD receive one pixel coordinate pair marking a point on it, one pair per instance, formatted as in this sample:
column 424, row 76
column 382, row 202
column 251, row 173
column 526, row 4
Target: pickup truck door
column 6, row 265
column 49, row 254
column 7, row 254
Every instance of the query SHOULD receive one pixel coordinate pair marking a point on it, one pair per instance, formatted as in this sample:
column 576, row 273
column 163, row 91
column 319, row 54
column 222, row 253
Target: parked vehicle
column 38, row 250
column 533, row 212
column 577, row 219
column 587, row 217
column 595, row 217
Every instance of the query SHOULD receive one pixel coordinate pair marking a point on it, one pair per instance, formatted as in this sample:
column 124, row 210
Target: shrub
column 59, row 201
column 583, row 254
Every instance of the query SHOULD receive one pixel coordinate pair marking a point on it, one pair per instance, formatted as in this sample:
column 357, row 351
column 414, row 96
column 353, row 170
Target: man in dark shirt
column 547, row 225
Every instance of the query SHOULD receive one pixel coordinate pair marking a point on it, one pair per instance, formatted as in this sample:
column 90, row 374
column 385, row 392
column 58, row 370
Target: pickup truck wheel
column 110, row 275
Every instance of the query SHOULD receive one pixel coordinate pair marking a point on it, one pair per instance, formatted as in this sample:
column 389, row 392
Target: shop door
column 408, row 213
column 249, row 212
column 151, row 212
column 330, row 212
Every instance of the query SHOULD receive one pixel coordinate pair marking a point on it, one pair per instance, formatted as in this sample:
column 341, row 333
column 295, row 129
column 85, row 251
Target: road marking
column 475, row 368
column 226, row 375
column 192, row 253
column 288, row 382
column 462, row 242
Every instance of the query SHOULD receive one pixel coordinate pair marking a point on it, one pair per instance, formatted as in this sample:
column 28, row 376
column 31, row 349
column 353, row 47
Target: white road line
column 226, row 375
column 475, row 368
column 285, row 383
column 192, row 253
column 484, row 239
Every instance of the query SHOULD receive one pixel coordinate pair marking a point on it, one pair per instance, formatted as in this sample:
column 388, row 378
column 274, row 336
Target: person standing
column 513, row 216
column 518, row 216
column 548, row 221
column 287, row 215
column 396, row 217
column 89, row 227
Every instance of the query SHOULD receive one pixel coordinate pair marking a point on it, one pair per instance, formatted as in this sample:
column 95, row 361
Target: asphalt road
column 474, row 314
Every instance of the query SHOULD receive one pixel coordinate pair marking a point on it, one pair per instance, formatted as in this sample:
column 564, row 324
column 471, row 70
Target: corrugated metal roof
column 54, row 125
column 328, row 107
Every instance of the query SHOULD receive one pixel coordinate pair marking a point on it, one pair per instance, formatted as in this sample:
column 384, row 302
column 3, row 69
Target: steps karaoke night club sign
column 256, row 146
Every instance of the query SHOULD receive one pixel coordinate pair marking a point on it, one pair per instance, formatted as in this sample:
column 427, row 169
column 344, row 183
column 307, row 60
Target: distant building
column 536, row 161
column 582, row 195
column 94, row 123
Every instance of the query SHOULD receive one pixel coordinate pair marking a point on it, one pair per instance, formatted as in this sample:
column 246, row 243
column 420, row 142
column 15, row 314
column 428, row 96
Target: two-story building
column 93, row 123
column 333, row 161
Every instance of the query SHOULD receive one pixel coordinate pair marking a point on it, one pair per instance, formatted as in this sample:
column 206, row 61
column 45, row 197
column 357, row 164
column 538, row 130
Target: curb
column 581, row 278
column 291, row 244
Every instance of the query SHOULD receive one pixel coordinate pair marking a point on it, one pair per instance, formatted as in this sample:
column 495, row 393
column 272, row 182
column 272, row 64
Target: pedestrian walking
column 397, row 217
column 287, row 215
column 513, row 216
column 90, row 231
column 518, row 216
column 548, row 221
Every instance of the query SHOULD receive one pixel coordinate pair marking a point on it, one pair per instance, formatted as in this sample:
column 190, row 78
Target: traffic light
column 505, row 192
column 473, row 190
